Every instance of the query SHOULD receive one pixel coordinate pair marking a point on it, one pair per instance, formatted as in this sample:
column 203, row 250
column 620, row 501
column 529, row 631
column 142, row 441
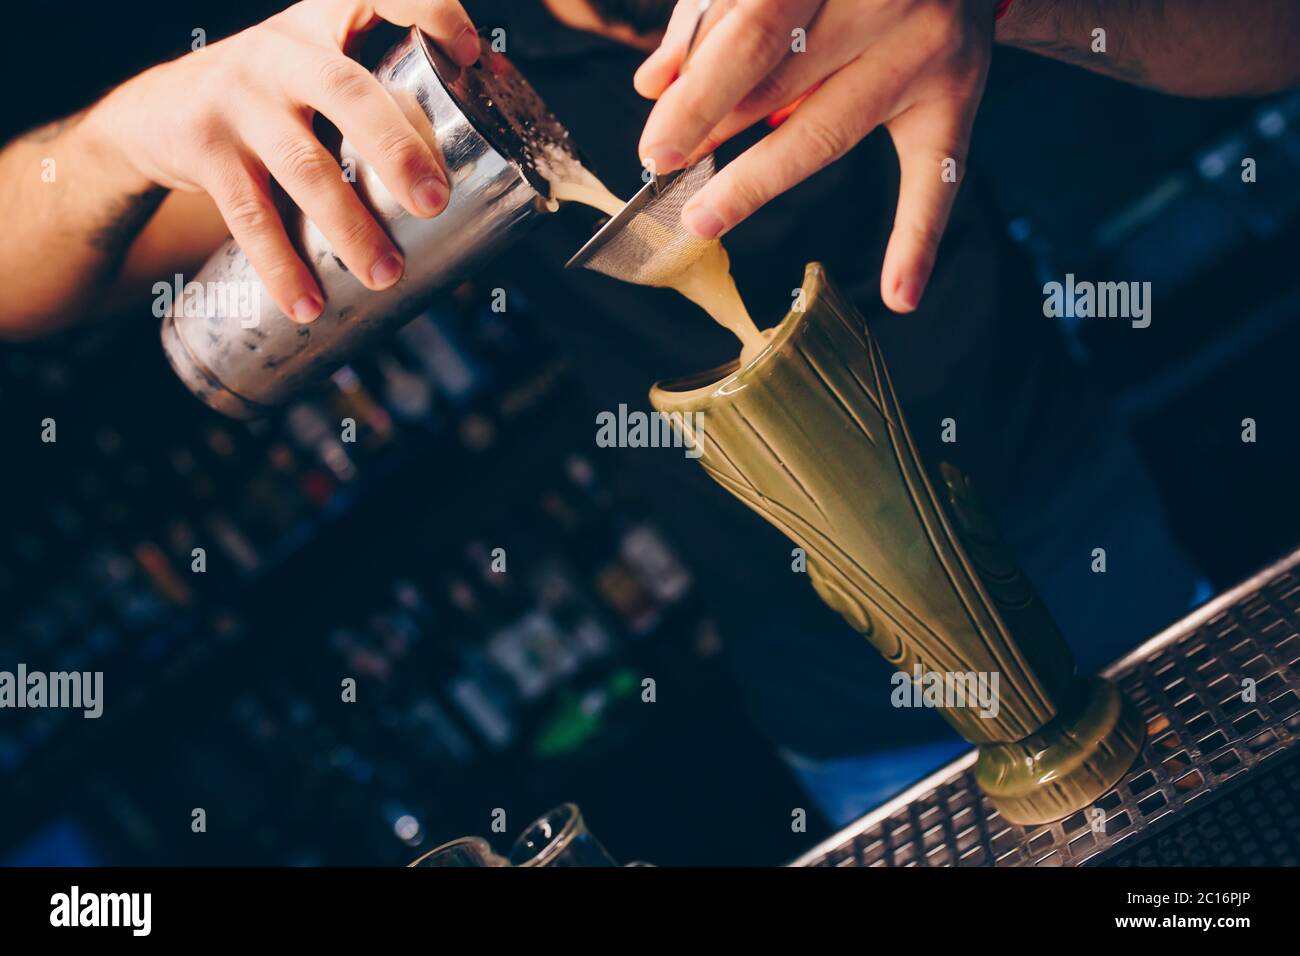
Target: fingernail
column 306, row 309
column 465, row 48
column 386, row 271
column 909, row 292
column 662, row 158
column 702, row 222
column 430, row 195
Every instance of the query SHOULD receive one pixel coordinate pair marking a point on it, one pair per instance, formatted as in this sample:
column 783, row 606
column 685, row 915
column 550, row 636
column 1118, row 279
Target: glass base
column 1069, row 763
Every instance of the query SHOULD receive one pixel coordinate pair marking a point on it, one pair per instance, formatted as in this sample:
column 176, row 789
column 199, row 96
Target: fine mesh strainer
column 645, row 242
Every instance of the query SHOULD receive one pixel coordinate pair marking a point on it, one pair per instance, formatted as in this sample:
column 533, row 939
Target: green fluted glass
column 810, row 435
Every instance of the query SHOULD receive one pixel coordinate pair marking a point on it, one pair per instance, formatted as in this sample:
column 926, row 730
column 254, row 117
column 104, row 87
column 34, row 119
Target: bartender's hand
column 917, row 67
column 228, row 117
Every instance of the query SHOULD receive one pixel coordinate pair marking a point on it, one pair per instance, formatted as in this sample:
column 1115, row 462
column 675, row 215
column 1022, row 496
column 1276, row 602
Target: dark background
column 225, row 692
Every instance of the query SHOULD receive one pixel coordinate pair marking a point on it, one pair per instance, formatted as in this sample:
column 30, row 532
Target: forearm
column 1185, row 47
column 72, row 206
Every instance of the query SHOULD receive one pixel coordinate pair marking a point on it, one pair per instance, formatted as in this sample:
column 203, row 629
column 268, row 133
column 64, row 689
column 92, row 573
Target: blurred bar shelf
column 1217, row 782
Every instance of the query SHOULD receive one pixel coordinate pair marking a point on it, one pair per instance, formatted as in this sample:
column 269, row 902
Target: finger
column 843, row 110
column 932, row 142
column 731, row 60
column 830, row 45
column 346, row 94
column 314, row 181
column 240, row 188
column 445, row 21
column 660, row 67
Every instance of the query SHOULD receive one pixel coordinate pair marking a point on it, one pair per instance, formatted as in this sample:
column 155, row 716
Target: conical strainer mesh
column 652, row 248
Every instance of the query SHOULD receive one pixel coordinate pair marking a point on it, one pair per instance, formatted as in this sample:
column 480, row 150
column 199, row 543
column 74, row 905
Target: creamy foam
column 707, row 281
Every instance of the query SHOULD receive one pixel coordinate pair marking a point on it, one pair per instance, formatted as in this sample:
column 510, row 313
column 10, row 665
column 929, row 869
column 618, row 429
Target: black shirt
column 978, row 350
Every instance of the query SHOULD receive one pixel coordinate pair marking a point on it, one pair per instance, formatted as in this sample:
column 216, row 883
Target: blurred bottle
column 588, row 540
column 640, row 544
column 316, row 433
column 257, row 490
column 349, row 399
column 430, row 340
column 408, row 394
column 557, row 590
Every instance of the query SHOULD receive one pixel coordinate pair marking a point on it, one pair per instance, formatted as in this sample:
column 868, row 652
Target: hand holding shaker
column 501, row 148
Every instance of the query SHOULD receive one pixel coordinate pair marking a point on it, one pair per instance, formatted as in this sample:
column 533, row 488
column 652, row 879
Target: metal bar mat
column 1212, row 784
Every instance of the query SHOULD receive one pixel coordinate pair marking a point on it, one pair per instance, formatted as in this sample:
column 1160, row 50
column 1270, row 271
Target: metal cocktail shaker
column 500, row 147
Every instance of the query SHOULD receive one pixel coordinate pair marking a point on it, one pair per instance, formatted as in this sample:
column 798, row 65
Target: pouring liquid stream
column 707, row 282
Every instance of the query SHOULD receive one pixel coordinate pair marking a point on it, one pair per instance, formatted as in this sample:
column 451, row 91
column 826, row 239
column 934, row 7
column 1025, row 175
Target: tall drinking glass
column 810, row 435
